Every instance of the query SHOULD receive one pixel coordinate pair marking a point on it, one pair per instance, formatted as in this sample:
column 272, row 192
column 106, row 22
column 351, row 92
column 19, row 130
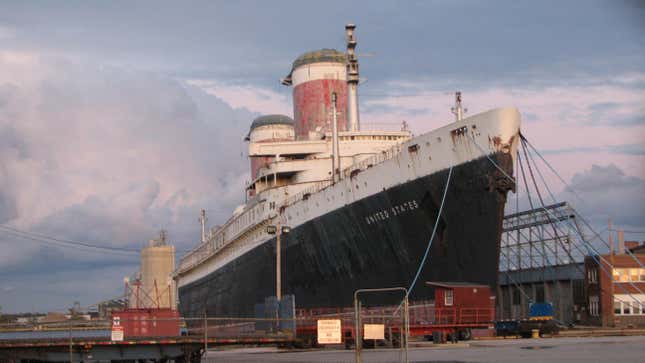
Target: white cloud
column 108, row 156
column 605, row 191
column 594, row 115
column 256, row 99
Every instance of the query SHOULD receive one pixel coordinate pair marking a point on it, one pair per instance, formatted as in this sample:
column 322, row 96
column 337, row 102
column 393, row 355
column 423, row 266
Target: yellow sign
column 373, row 331
column 329, row 331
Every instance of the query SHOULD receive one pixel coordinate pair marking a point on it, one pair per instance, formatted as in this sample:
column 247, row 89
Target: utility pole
column 71, row 354
column 278, row 230
column 278, row 263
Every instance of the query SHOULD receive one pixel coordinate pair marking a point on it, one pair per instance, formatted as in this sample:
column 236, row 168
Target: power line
column 63, row 245
column 46, row 238
column 67, row 243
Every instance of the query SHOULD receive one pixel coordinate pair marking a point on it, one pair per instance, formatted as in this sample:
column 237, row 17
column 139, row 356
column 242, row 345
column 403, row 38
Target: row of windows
column 629, row 274
column 370, row 137
column 629, row 307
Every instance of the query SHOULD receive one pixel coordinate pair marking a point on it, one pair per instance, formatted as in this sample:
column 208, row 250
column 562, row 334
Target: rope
column 434, row 231
column 569, row 188
column 425, row 255
column 556, row 221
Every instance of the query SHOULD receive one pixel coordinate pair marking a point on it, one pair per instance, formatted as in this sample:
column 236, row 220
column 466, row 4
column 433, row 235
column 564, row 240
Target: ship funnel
column 352, row 79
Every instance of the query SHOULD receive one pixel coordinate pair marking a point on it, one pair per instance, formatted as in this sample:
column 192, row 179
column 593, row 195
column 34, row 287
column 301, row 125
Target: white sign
column 117, row 333
column 329, row 331
column 373, row 331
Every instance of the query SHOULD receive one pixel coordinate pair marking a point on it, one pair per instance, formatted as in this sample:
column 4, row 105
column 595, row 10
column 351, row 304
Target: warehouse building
column 617, row 300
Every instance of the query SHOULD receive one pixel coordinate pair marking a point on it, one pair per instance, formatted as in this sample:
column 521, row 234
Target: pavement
column 570, row 349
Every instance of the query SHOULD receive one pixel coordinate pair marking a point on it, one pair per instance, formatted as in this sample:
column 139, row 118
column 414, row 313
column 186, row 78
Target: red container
column 148, row 322
column 464, row 303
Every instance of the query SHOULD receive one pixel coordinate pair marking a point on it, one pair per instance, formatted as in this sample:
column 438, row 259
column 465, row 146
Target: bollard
column 535, row 333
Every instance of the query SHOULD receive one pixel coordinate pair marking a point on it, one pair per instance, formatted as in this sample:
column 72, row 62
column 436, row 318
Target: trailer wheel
column 195, row 357
column 453, row 337
column 465, row 334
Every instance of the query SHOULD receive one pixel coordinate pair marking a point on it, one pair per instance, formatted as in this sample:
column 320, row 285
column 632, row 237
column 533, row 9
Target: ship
column 333, row 206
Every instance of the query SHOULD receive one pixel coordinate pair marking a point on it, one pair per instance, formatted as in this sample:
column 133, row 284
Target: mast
column 457, row 110
column 202, row 220
column 335, row 159
column 352, row 79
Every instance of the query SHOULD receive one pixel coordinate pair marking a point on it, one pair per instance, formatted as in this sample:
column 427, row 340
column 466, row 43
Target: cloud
column 627, row 149
column 607, row 192
column 563, row 120
column 108, row 156
column 256, row 99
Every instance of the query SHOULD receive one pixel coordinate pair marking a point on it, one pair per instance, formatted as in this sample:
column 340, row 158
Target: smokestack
column 352, row 79
column 621, row 242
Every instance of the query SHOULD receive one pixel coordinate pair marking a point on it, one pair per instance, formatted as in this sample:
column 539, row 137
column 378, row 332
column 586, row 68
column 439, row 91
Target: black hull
column 378, row 241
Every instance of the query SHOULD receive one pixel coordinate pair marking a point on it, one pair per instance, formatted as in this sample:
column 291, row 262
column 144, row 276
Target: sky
column 120, row 118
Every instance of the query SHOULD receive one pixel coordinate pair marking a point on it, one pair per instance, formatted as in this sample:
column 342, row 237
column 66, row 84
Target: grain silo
column 156, row 287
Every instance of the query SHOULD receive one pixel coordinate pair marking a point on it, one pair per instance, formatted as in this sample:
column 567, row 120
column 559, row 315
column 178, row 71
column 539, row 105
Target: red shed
column 469, row 302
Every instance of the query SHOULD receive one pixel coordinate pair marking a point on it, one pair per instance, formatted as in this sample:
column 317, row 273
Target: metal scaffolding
column 531, row 239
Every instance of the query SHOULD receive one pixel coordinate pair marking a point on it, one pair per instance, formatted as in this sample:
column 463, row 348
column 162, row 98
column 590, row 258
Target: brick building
column 616, row 301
